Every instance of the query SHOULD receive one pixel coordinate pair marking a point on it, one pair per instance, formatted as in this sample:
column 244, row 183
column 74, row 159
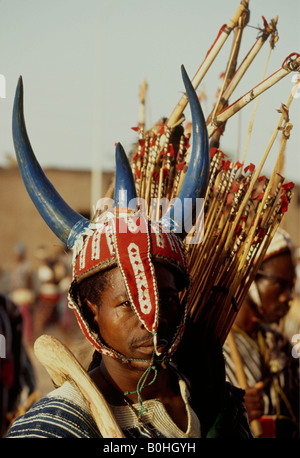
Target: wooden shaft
column 250, row 95
column 246, row 63
column 62, row 365
column 210, row 57
column 241, row 377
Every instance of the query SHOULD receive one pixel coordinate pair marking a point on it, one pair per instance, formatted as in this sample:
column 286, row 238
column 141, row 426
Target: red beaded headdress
column 114, row 239
column 127, row 239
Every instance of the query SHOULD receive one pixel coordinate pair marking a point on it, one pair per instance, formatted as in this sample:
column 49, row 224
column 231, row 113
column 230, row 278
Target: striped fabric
column 157, row 416
column 64, row 413
column 269, row 359
column 251, row 358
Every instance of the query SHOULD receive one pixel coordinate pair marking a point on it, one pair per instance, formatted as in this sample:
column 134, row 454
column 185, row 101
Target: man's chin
column 143, row 360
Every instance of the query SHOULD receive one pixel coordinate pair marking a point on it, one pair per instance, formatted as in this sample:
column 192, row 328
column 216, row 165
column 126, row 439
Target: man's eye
column 126, row 304
column 170, row 300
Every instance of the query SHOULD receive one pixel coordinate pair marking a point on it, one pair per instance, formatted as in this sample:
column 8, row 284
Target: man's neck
column 120, row 378
column 114, row 379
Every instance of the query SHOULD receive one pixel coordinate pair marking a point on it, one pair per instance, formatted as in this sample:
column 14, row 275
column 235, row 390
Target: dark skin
column 121, row 330
column 275, row 284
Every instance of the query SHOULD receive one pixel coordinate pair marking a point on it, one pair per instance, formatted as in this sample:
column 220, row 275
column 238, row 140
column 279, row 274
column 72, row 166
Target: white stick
column 210, row 57
column 247, row 61
column 62, row 365
column 251, row 95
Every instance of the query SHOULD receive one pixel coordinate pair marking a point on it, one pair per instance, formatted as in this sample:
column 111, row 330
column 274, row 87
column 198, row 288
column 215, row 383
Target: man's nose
column 287, row 294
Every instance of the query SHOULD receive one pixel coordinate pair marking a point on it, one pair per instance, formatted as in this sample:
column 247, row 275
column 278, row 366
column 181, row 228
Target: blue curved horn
column 62, row 219
column 182, row 213
column 125, row 193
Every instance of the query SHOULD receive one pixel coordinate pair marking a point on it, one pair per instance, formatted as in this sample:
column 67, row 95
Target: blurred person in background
column 17, row 378
column 48, row 292
column 54, row 275
column 270, row 370
column 22, row 289
column 291, row 322
column 63, row 275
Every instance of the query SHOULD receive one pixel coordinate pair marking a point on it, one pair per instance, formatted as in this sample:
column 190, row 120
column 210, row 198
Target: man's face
column 276, row 285
column 119, row 325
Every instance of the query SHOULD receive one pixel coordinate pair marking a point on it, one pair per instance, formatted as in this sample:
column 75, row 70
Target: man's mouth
column 278, row 313
column 147, row 346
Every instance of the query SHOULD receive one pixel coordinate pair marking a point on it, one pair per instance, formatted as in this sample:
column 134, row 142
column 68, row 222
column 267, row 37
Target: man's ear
column 93, row 308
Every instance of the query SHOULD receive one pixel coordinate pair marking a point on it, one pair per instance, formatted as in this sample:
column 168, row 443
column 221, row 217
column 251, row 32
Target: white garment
column 156, row 414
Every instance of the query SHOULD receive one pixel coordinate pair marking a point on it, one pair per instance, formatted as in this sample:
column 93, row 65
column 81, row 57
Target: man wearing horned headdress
column 128, row 275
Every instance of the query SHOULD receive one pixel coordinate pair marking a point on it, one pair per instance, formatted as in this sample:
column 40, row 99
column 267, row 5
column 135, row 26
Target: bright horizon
column 83, row 62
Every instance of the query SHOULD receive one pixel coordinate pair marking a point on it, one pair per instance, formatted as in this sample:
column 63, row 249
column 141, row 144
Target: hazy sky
column 83, row 61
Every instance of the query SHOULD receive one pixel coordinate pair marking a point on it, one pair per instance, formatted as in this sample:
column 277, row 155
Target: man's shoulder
column 55, row 416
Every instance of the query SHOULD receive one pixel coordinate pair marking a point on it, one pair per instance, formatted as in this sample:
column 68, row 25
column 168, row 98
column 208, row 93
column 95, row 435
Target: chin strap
column 142, row 383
